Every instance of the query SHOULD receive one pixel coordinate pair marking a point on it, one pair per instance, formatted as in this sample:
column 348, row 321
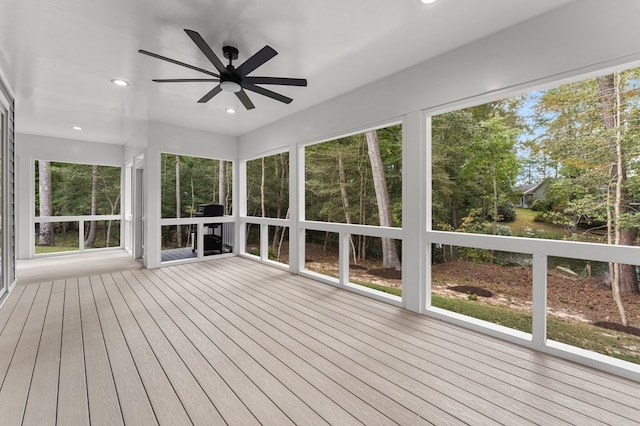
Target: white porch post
column 539, row 307
column 415, row 259
column 25, row 206
column 296, row 208
column 152, row 192
column 240, row 204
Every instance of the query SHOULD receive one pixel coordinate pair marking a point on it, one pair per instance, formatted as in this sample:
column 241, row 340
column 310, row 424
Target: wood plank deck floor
column 232, row 341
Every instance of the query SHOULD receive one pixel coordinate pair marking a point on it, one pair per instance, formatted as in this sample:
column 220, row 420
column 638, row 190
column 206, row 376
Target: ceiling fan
column 230, row 78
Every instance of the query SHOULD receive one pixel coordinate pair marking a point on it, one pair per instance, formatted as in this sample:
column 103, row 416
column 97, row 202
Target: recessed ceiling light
column 119, row 82
column 230, row 110
column 76, row 128
column 426, row 1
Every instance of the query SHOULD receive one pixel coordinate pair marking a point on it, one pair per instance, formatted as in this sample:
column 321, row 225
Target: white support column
column 239, row 201
column 264, row 241
column 344, row 258
column 415, row 262
column 539, row 306
column 296, row 208
column 152, row 192
column 81, row 235
column 25, row 206
column 200, row 241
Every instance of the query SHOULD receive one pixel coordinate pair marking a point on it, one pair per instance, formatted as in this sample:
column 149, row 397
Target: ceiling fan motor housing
column 230, row 52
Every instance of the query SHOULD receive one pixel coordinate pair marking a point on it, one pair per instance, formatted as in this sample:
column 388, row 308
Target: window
column 356, row 180
column 559, row 164
column 71, row 191
column 342, row 175
column 268, row 186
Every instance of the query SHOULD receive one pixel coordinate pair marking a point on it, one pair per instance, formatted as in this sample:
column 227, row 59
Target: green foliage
column 506, row 213
column 383, row 288
column 470, row 148
column 272, row 254
column 474, row 223
column 495, row 314
column 322, row 181
column 541, row 205
column 199, row 179
column 276, row 186
column 71, row 189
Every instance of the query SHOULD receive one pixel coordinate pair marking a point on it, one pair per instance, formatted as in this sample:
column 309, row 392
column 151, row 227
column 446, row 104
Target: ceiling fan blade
column 242, row 95
column 184, row 80
column 267, row 92
column 282, row 81
column 173, row 61
column 204, row 47
column 262, row 56
column 210, row 94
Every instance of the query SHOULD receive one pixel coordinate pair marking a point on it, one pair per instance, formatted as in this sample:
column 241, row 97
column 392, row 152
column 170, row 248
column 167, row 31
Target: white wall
column 185, row 141
column 68, row 150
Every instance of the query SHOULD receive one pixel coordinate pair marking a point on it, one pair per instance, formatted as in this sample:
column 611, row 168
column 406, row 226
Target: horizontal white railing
column 196, row 220
column 345, row 231
column 227, row 233
column 263, row 223
column 541, row 250
column 81, row 219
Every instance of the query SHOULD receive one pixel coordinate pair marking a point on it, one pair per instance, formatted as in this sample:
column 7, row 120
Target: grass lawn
column 525, row 218
column 585, row 336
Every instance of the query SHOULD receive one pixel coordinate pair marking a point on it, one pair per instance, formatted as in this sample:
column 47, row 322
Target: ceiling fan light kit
column 230, row 86
column 230, row 78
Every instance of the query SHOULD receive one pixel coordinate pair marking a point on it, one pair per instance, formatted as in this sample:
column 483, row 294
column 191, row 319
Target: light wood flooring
column 232, row 341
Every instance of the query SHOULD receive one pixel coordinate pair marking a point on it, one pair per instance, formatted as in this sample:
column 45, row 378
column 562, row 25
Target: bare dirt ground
column 570, row 297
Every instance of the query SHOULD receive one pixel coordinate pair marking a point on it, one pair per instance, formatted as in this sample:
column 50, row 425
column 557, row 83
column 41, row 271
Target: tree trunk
column 282, row 238
column 113, row 209
column 279, row 229
column 91, row 236
column 624, row 280
column 178, row 202
column 45, row 236
column 389, row 252
column 494, row 200
column 222, row 184
column 345, row 203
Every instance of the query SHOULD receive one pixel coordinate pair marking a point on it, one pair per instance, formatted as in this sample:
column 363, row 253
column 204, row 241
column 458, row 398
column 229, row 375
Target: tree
column 493, row 163
column 345, row 201
column 590, row 129
column 222, row 183
column 455, row 186
column 45, row 236
column 389, row 251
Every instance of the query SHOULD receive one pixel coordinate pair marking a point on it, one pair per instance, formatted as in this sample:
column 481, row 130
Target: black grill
column 212, row 232
column 208, row 210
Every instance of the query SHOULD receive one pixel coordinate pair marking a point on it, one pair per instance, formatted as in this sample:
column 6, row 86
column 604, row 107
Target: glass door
column 4, row 134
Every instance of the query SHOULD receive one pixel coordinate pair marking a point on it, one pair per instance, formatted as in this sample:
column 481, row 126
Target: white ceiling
column 60, row 55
